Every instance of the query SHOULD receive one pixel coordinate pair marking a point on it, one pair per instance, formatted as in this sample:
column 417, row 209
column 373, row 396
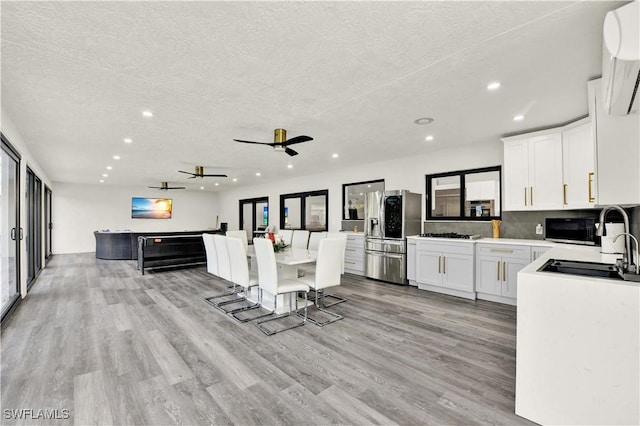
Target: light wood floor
column 114, row 347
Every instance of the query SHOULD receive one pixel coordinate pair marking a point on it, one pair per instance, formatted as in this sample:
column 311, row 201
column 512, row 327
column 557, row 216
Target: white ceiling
column 76, row 77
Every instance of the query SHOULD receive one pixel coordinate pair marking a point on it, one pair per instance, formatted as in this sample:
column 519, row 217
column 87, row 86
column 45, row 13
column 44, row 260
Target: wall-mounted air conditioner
column 621, row 59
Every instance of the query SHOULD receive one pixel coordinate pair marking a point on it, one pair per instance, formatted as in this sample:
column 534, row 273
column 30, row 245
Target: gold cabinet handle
column 444, row 265
column 590, row 183
column 525, row 196
column 504, row 271
column 531, row 194
column 498, row 270
column 439, row 264
column 564, row 194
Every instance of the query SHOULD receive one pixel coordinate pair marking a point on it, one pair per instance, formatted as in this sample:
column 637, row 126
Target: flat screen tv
column 150, row 208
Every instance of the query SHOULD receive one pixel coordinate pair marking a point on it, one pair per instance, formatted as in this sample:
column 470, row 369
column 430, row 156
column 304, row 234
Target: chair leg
column 234, row 313
column 211, row 300
column 275, row 317
column 338, row 299
column 334, row 317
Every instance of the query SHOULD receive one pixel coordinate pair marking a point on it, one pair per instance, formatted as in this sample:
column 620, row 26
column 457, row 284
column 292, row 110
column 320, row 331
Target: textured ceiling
column 76, row 77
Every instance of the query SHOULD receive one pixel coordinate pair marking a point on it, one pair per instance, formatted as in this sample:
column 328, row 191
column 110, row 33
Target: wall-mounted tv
column 151, row 208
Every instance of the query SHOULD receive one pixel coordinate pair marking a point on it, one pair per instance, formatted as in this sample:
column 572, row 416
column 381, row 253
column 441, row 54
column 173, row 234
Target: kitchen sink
column 574, row 267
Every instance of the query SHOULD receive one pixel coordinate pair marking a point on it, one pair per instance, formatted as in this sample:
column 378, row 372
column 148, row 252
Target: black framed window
column 353, row 197
column 305, row 210
column 473, row 194
column 254, row 216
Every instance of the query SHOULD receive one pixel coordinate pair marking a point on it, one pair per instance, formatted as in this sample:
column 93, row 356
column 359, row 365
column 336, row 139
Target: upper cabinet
column 551, row 170
column 617, row 140
column 533, row 171
column 578, row 166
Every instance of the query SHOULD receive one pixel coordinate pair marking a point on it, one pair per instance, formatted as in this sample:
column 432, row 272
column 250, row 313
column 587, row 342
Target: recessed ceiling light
column 109, row 167
column 424, row 120
column 147, row 113
column 101, row 180
column 493, row 86
column 335, row 156
column 216, row 184
column 202, row 187
column 258, row 174
column 368, row 186
column 289, row 166
column 105, row 175
column 518, row 118
column 428, row 138
column 116, row 157
column 127, row 140
column 235, row 180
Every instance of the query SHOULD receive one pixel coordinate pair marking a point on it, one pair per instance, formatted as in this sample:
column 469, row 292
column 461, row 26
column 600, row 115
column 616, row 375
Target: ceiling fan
column 200, row 173
column 165, row 186
column 280, row 141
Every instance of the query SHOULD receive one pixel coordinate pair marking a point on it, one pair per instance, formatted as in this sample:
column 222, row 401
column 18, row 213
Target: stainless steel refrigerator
column 390, row 216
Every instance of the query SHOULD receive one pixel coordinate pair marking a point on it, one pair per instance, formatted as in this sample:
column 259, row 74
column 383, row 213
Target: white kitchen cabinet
column 445, row 267
column 354, row 254
column 617, row 140
column 533, row 171
column 537, row 251
column 578, row 166
column 497, row 267
column 411, row 261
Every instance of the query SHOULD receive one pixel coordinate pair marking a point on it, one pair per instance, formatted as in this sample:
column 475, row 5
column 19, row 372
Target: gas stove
column 450, row 235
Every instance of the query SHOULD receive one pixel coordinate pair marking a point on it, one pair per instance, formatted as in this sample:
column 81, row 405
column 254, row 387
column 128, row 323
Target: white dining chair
column 287, row 236
column 314, row 239
column 300, row 238
column 269, row 282
column 342, row 237
column 212, row 256
column 242, row 235
column 224, row 268
column 327, row 274
column 239, row 275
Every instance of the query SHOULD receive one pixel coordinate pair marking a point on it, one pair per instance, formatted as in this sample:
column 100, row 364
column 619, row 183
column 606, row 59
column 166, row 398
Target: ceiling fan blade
column 297, row 139
column 187, row 173
column 176, row 187
column 213, row 175
column 256, row 143
column 155, row 187
column 290, row 152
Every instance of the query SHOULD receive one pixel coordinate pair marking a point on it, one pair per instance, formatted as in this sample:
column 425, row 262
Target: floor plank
column 115, row 347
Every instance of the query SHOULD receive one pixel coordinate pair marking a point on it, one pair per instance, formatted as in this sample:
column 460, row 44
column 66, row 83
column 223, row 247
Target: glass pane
column 482, row 194
column 293, row 213
column 8, row 230
column 445, row 196
column 262, row 216
column 316, row 213
column 354, row 198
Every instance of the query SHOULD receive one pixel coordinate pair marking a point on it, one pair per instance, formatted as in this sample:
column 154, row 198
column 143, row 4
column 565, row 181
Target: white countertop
column 513, row 241
column 578, row 253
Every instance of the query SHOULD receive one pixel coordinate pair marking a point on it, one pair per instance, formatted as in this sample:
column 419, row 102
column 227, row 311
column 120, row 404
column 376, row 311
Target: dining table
column 288, row 261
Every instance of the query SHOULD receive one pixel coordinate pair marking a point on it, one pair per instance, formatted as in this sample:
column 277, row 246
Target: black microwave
column 571, row 230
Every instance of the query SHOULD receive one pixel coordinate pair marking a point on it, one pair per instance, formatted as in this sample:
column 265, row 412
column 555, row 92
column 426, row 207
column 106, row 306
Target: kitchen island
column 577, row 351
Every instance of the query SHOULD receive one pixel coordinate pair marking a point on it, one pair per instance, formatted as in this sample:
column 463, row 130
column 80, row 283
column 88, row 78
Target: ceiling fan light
column 279, row 148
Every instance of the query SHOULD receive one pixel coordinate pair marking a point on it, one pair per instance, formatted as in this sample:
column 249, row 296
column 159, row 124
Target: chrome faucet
column 637, row 261
column 628, row 254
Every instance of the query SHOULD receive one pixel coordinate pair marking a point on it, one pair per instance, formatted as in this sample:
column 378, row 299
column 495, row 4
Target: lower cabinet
column 445, row 267
column 354, row 254
column 497, row 268
column 411, row 261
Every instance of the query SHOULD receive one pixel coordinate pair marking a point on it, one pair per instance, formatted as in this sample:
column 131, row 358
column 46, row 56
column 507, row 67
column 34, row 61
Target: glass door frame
column 303, row 207
column 253, row 202
column 33, row 229
column 48, row 210
column 15, row 299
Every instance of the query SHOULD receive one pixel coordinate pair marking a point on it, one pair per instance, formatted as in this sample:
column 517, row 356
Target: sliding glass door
column 254, row 215
column 33, row 231
column 9, row 227
column 48, row 224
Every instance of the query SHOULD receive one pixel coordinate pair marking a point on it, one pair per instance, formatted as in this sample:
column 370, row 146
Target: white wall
column 79, row 210
column 406, row 173
column 27, row 160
